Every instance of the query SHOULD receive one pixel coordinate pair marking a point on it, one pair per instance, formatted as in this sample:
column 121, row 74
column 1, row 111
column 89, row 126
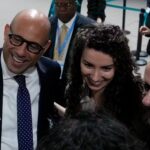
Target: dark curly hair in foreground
column 90, row 131
column 124, row 93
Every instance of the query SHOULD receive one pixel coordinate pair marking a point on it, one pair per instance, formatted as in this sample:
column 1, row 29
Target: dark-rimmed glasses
column 32, row 47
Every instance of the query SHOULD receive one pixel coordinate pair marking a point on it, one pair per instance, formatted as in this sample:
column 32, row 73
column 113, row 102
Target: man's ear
column 47, row 46
column 6, row 31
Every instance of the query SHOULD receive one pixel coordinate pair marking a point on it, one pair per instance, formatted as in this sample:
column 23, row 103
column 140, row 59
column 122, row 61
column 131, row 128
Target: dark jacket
column 96, row 9
column 49, row 72
column 148, row 3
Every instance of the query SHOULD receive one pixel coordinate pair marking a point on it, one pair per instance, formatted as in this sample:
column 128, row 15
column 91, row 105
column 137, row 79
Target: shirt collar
column 68, row 24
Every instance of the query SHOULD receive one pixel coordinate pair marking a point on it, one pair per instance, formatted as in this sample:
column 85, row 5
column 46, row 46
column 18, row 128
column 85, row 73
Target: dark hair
column 123, row 94
column 90, row 131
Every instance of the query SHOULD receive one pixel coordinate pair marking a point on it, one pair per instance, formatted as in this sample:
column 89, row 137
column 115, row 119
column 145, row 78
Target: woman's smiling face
column 97, row 69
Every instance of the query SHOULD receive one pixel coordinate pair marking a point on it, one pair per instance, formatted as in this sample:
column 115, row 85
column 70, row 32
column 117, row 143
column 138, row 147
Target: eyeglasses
column 32, row 47
column 146, row 86
column 65, row 5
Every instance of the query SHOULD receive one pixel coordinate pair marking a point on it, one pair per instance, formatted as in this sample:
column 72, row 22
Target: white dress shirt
column 68, row 24
column 9, row 139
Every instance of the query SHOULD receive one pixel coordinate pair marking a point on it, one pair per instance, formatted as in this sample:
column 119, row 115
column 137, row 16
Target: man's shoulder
column 47, row 61
column 46, row 64
column 84, row 19
column 81, row 19
column 53, row 19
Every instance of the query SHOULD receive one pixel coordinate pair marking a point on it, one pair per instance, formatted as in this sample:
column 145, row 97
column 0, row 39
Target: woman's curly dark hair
column 123, row 95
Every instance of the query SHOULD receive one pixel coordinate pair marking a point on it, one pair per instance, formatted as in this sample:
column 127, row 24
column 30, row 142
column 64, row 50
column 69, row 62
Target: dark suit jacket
column 49, row 72
column 96, row 8
column 80, row 21
column 148, row 3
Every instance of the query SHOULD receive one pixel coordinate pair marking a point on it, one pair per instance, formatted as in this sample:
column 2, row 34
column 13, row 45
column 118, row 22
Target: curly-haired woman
column 103, row 76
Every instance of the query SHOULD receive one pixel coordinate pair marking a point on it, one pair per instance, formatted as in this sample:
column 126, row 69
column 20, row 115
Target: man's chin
column 16, row 70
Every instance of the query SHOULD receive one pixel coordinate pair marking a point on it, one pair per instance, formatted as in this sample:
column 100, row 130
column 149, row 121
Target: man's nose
column 22, row 49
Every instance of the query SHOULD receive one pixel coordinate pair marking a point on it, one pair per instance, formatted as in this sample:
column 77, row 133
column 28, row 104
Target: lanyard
column 63, row 45
column 145, row 17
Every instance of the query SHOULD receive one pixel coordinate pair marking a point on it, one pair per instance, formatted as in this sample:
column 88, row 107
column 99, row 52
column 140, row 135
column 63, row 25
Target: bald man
column 146, row 99
column 26, row 39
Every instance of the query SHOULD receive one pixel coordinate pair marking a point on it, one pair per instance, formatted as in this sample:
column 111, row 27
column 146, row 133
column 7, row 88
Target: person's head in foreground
column 90, row 131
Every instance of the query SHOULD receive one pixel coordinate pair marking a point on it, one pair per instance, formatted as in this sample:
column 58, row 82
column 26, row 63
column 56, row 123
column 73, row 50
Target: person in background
column 64, row 27
column 96, row 9
column 52, row 7
column 79, row 4
column 90, row 131
column 145, row 28
column 102, row 75
column 26, row 75
column 148, row 3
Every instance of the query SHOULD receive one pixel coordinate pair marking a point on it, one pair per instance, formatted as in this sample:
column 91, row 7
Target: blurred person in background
column 96, row 10
column 64, row 25
column 90, row 131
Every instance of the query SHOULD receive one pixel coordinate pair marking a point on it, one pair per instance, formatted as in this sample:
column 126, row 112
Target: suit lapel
column 43, row 104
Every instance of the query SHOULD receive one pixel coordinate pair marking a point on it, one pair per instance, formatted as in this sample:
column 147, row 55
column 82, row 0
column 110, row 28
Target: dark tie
column 24, row 116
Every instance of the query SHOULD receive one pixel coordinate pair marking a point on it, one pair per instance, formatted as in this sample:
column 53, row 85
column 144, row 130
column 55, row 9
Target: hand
column 61, row 109
column 144, row 30
column 99, row 20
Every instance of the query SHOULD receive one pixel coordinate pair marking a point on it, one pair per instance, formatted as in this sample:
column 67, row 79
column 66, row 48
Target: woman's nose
column 96, row 75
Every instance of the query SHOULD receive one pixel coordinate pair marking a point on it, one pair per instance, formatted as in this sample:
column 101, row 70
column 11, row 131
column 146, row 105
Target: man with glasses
column 66, row 16
column 26, row 39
